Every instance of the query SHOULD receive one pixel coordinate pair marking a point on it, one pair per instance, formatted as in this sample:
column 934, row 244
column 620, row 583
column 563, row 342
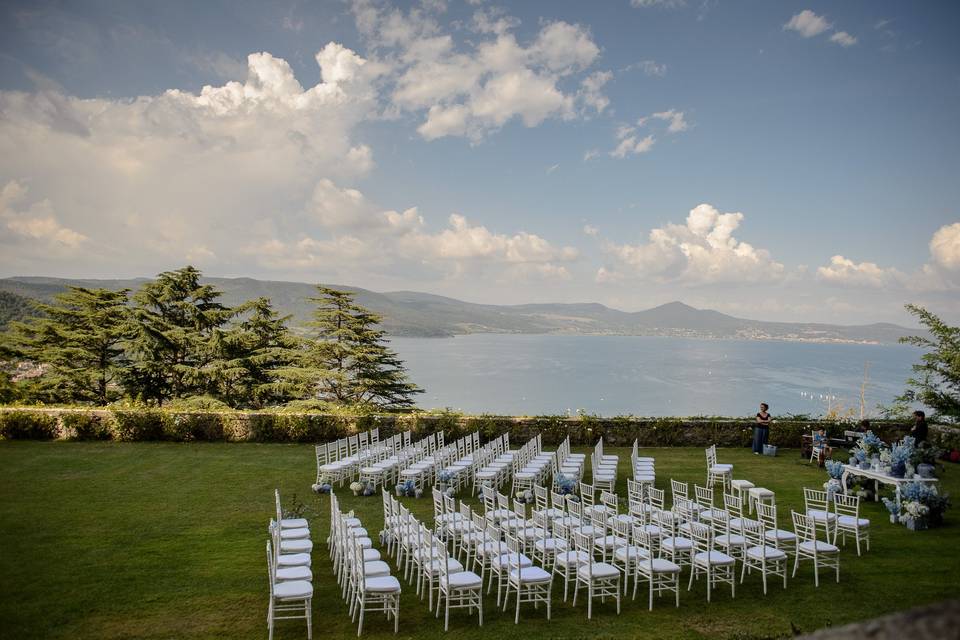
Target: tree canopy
column 936, row 378
column 175, row 341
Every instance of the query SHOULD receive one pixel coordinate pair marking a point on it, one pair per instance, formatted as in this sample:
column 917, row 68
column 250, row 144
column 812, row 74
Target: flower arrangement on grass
column 893, row 508
column 565, row 485
column 921, row 506
column 525, row 497
column 324, row 484
column 408, row 489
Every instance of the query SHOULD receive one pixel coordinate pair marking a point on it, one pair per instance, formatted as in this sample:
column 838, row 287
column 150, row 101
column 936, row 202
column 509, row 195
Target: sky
column 773, row 160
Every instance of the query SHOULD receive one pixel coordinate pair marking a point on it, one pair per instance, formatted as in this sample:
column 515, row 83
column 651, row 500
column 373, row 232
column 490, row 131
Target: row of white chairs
column 364, row 577
column 340, row 461
column 425, row 560
column 531, row 465
column 568, row 464
column 389, row 465
column 455, row 462
column 603, row 467
column 288, row 570
column 493, row 464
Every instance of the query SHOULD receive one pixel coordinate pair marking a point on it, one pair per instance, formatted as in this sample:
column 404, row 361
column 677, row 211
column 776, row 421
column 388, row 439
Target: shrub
column 134, row 425
column 186, row 427
column 28, row 425
column 86, row 426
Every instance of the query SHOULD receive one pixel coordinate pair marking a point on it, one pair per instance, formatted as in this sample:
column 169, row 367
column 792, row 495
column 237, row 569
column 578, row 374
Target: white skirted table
column 879, row 477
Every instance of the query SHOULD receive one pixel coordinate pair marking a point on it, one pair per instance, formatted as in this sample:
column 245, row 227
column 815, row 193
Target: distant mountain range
column 410, row 313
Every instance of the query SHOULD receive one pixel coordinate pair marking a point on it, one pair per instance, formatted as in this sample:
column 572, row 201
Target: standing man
column 761, row 430
column 919, row 431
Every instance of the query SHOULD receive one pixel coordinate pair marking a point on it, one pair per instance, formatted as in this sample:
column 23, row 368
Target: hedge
column 141, row 424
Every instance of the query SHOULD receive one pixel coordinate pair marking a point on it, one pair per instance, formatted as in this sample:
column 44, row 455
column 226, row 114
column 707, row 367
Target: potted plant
column 924, row 458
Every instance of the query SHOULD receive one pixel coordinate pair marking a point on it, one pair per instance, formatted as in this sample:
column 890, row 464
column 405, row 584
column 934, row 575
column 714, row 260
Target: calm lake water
column 647, row 376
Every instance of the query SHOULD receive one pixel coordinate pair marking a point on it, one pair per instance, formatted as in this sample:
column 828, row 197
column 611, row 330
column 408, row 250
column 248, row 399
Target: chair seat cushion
column 296, row 546
column 731, row 540
column 453, row 566
column 721, row 468
column 760, row 492
column 820, row 516
column 821, row 547
column 293, row 560
column 565, row 558
column 746, row 523
column 741, row 484
column 780, row 535
column 295, row 534
column 609, row 542
column 510, row 560
column 550, row 544
column 713, row 557
column 463, row 580
column 495, row 548
column 376, row 568
column 298, row 572
column 294, row 523
column 850, row 521
column 630, row 553
column 293, row 589
column 530, row 575
column 598, row 570
column 771, row 553
column 676, row 544
column 384, row 584
column 662, row 565
column 370, row 554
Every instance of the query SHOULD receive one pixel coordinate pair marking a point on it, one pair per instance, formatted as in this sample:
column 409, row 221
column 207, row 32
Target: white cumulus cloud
column 701, row 251
column 844, row 271
column 807, row 24
column 843, row 38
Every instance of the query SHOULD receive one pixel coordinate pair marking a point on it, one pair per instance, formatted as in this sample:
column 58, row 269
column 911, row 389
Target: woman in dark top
column 761, row 431
column 919, row 431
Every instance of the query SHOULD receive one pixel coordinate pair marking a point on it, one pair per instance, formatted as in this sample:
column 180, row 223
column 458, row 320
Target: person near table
column 822, row 443
column 919, row 431
column 761, row 430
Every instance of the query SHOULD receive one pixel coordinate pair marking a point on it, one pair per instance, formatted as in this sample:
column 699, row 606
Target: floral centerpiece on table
column 900, row 454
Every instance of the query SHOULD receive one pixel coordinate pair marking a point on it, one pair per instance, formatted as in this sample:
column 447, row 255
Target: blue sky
column 552, row 151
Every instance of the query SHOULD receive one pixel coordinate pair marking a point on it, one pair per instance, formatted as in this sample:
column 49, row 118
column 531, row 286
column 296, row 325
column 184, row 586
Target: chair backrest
column 375, row 435
column 702, row 537
column 587, row 494
column 561, row 531
column 686, row 510
column 437, row 503
column 449, row 505
column 541, row 497
column 575, row 508
column 489, row 499
column 271, row 576
column 666, row 521
column 804, row 527
column 557, row 501
column 584, row 544
column 847, row 505
column 354, row 443
column 678, row 490
column 767, row 514
column 733, row 504
column 643, row 540
column 720, row 521
column 610, row 500
column 276, row 499
column 814, row 499
column 711, row 453
column 655, row 498
column 704, row 496
column 364, row 440
column 513, row 547
column 520, row 509
column 622, row 529
column 466, row 513
column 503, row 502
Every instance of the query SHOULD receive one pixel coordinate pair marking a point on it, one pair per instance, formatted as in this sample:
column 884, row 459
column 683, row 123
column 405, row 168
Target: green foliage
column 79, row 341
column 14, row 307
column 176, row 323
column 346, row 360
column 187, row 427
column 84, row 425
column 936, row 379
column 16, row 425
column 134, row 425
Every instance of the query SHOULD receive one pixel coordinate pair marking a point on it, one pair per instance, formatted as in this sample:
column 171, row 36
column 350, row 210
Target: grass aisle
column 154, row 540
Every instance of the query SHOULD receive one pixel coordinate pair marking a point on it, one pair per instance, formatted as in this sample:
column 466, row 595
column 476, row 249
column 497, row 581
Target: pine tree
column 346, row 360
column 175, row 323
column 250, row 353
column 78, row 339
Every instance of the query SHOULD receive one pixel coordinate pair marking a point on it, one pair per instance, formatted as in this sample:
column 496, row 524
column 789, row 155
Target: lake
column 648, row 376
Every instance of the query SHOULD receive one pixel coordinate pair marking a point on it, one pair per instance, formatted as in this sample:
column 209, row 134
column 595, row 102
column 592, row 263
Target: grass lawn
column 153, row 540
